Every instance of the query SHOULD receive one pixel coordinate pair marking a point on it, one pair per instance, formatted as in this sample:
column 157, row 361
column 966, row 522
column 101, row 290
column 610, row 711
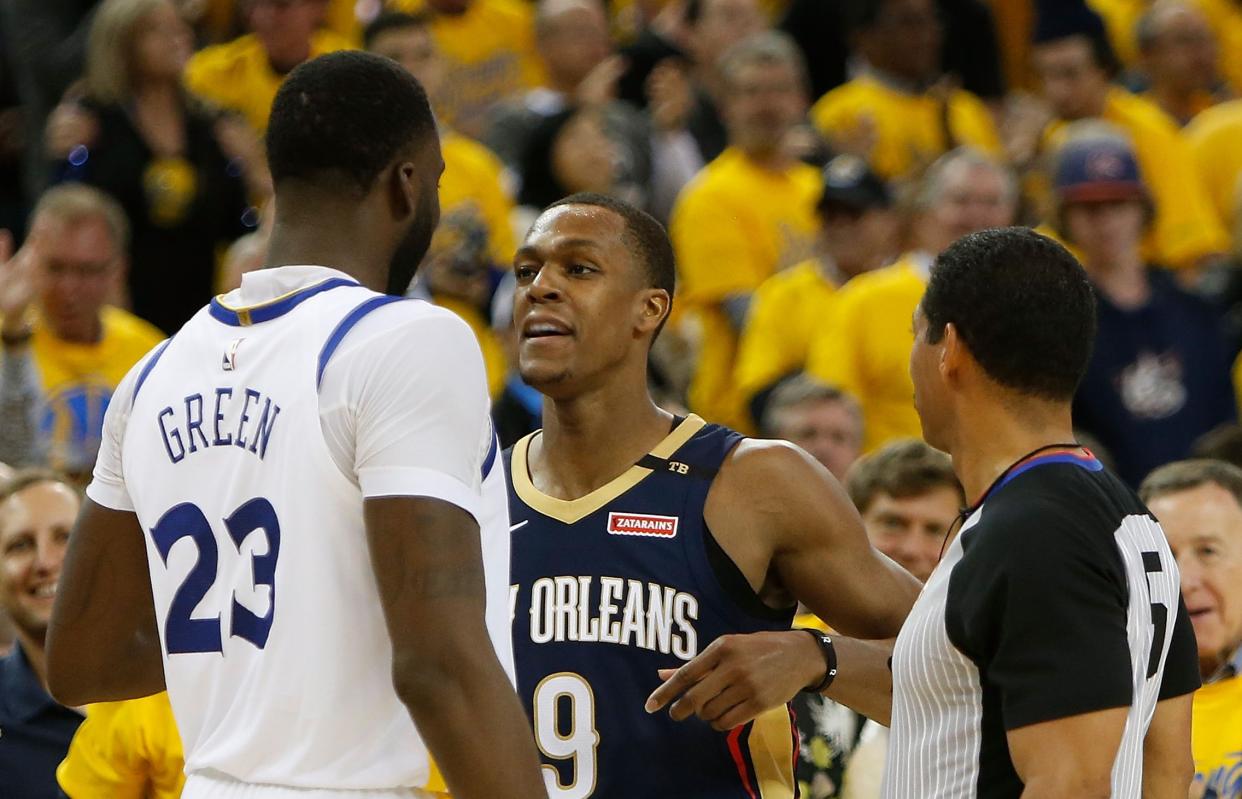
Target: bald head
column 572, row 37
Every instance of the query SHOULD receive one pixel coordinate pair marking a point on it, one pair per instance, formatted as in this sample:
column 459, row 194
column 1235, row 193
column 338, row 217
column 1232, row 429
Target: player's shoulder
column 758, row 468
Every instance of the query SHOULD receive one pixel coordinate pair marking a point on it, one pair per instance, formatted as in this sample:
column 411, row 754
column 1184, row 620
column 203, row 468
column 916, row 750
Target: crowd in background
column 809, row 157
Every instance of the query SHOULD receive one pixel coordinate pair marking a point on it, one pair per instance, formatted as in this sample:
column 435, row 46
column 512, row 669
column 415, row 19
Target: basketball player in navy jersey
column 639, row 537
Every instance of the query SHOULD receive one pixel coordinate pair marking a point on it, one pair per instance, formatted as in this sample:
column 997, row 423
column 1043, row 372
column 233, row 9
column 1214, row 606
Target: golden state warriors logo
column 73, row 423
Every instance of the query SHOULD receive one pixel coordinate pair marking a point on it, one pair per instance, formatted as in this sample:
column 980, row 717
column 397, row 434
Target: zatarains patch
column 642, row 524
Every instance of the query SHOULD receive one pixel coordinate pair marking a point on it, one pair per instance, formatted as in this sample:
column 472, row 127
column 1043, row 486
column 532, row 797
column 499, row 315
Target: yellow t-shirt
column 1186, row 227
column 238, row 77
column 734, row 225
column 78, row 381
column 473, row 184
column 909, row 128
column 864, row 349
column 490, row 50
column 1215, row 137
column 784, row 314
column 1216, row 737
column 125, row 750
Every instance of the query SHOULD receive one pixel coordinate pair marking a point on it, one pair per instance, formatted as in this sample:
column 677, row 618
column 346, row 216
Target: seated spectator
column 582, row 70
column 894, row 112
column 64, row 349
column 857, row 233
column 748, row 214
column 864, row 346
column 567, row 153
column 1159, row 376
column 125, row 750
column 1075, row 66
column 473, row 188
column 489, row 49
column 1179, row 57
column 244, row 74
column 661, row 62
column 37, row 511
column 822, row 420
column 1199, row 505
column 1214, row 137
column 178, row 171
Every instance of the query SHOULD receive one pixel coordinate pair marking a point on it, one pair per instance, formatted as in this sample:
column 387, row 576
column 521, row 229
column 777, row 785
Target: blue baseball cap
column 1098, row 169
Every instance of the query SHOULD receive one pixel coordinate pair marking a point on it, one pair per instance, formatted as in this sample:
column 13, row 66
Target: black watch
column 830, row 660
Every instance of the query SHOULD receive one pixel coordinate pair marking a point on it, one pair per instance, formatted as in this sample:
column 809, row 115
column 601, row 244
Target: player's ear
column 952, row 352
column 654, row 308
column 403, row 193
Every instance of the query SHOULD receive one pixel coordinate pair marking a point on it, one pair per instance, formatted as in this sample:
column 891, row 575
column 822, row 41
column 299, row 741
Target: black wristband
column 830, row 660
column 18, row 339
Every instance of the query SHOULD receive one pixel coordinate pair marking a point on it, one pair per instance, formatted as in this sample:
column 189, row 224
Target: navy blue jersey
column 610, row 587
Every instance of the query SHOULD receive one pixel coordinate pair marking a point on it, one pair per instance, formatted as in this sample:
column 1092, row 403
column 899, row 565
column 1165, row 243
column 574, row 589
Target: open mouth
column 544, row 329
column 45, row 591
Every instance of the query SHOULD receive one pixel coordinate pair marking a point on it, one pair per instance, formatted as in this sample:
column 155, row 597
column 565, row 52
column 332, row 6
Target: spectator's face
column 1204, row 528
column 861, row 243
column 764, row 103
column 414, row 49
column 1072, row 83
column 1105, row 231
column 574, row 42
column 583, row 157
column 911, row 530
column 581, row 302
column 972, row 198
column 1183, row 55
column 905, row 39
column 285, row 28
column 829, row 430
column 83, row 267
column 163, row 43
column 34, row 531
column 722, row 24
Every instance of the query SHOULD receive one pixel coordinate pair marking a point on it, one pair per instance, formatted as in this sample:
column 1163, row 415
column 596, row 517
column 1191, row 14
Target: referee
column 1049, row 654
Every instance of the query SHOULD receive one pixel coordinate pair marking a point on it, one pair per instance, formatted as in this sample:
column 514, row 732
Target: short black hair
column 338, row 120
column 647, row 239
column 393, row 21
column 1023, row 306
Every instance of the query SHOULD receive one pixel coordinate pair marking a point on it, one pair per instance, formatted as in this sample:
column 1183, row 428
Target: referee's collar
column 1075, row 454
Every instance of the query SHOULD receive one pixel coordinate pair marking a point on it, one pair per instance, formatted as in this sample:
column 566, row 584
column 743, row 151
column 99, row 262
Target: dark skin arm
column 793, row 532
column 102, row 643
column 1168, row 765
column 429, row 570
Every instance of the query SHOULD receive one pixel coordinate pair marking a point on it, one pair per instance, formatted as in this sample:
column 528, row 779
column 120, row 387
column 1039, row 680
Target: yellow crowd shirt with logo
column 1216, row 738
column 785, row 312
column 1215, row 136
column 490, row 50
column 78, row 380
column 1186, row 227
column 864, row 349
column 473, row 184
column 734, row 225
column 910, row 130
column 237, row 76
column 125, row 750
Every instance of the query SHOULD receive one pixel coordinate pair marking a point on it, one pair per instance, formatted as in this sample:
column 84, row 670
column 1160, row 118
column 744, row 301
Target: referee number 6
column 568, row 735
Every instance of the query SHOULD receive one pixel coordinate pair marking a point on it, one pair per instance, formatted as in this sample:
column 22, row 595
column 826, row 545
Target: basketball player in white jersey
column 298, row 518
column 1049, row 654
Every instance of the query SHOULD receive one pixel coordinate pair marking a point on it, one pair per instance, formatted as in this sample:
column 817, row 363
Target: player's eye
column 580, row 269
column 524, row 272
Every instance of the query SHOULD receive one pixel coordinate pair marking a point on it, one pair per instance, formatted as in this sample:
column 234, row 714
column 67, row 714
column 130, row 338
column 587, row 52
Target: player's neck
column 997, row 435
column 305, row 243
column 589, row 440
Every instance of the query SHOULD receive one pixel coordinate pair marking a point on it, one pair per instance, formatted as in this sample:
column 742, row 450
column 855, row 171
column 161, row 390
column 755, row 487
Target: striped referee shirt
column 1059, row 597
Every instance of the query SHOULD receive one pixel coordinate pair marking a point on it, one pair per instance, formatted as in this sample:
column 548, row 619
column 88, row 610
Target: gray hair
column 800, row 390
column 932, row 185
column 765, row 48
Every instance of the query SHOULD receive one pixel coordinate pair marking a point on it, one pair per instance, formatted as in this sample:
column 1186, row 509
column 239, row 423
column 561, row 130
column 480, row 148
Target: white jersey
column 1059, row 597
column 245, row 445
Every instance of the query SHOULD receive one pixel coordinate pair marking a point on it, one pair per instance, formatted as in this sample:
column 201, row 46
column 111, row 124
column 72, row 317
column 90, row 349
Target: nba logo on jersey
column 642, row 524
column 229, row 363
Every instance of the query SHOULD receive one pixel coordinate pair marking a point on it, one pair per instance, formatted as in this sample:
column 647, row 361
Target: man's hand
column 670, row 98
column 21, row 279
column 68, row 126
column 738, row 677
column 599, row 87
